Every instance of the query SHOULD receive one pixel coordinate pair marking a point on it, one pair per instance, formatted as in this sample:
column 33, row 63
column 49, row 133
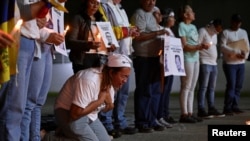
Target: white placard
column 58, row 26
column 107, row 34
column 173, row 57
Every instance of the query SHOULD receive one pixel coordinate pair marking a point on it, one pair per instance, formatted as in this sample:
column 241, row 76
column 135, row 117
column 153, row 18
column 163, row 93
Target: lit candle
column 211, row 43
column 66, row 30
column 98, row 37
column 248, row 122
column 160, row 52
column 16, row 27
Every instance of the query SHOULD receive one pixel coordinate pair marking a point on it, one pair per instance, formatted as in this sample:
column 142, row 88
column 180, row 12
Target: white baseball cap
column 118, row 60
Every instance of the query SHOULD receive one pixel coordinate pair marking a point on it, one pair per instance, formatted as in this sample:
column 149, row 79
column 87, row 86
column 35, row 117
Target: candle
column 16, row 27
column 66, row 30
column 248, row 122
column 211, row 43
column 160, row 52
column 98, row 37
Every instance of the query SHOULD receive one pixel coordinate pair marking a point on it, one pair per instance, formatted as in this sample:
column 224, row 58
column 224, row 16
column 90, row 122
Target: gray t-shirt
column 146, row 22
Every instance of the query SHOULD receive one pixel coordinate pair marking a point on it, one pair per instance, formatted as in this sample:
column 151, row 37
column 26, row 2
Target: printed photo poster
column 173, row 57
column 58, row 25
column 107, row 33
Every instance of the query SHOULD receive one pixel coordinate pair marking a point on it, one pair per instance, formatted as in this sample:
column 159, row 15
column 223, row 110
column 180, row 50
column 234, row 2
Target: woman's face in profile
column 120, row 77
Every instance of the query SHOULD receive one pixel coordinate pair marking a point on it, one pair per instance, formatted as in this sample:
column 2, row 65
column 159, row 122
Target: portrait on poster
column 58, row 21
column 173, row 57
column 107, row 33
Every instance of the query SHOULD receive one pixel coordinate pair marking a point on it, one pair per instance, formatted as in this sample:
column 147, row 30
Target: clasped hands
column 241, row 55
column 203, row 46
column 105, row 97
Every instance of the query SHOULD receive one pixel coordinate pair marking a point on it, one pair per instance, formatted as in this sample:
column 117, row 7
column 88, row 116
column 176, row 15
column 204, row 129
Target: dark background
column 205, row 10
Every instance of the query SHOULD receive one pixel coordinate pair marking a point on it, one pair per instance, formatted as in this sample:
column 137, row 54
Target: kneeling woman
column 85, row 94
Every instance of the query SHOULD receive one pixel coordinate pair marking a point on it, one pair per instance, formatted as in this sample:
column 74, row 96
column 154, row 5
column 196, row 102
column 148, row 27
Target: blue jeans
column 14, row 93
column 82, row 129
column 148, row 91
column 207, row 83
column 235, row 76
column 163, row 111
column 40, row 80
column 117, row 115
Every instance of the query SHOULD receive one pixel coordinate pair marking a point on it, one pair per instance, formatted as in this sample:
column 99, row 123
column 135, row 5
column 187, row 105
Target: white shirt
column 121, row 19
column 208, row 56
column 29, row 28
column 229, row 54
column 81, row 89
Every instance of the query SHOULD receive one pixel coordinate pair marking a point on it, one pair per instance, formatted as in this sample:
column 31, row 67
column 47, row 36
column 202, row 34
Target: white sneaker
column 158, row 123
column 164, row 123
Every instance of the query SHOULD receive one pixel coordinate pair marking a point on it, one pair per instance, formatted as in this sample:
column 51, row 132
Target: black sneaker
column 128, row 130
column 238, row 111
column 198, row 119
column 145, row 130
column 115, row 133
column 204, row 114
column 159, row 128
column 187, row 119
column 170, row 120
column 214, row 112
column 228, row 112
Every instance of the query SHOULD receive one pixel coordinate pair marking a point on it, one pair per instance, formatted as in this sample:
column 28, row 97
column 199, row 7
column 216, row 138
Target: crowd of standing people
column 91, row 104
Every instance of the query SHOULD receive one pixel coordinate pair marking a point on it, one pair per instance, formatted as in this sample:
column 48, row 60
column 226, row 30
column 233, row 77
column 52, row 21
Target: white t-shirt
column 229, row 54
column 208, row 56
column 81, row 89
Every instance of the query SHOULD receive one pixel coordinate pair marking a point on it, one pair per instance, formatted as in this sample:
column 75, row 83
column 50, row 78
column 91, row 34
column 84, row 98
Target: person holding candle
column 40, row 76
column 83, row 39
column 208, row 70
column 147, row 65
column 13, row 93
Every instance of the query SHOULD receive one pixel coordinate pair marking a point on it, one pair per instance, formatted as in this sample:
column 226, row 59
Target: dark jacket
column 77, row 37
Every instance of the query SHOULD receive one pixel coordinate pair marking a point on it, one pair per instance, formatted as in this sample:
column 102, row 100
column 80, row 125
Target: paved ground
column 180, row 132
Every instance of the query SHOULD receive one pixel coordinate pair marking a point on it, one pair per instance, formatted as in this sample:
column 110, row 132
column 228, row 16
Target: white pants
column 188, row 84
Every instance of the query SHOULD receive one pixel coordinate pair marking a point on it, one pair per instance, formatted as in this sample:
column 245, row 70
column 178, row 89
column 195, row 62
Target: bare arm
column 147, row 36
column 193, row 48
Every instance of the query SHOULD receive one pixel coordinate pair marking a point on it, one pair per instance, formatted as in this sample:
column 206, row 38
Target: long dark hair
column 84, row 8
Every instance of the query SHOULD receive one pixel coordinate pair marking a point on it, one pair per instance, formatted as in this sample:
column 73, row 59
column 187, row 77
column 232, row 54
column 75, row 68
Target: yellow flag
column 8, row 55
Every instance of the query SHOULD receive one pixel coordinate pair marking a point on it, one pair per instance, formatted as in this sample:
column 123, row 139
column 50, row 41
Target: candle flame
column 66, row 30
column 19, row 23
column 248, row 122
column 98, row 35
column 160, row 52
column 17, row 27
